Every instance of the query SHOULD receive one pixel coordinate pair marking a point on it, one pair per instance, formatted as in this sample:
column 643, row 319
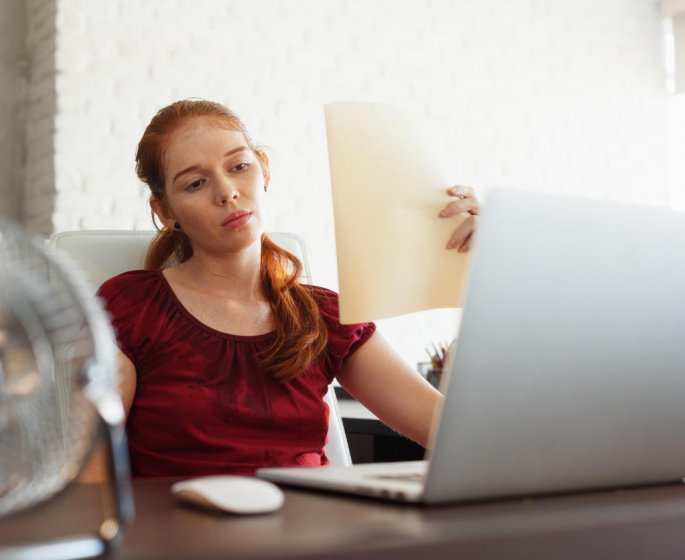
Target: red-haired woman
column 225, row 357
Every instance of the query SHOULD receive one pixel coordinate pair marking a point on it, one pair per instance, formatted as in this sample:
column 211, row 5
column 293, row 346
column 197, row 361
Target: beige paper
column 388, row 190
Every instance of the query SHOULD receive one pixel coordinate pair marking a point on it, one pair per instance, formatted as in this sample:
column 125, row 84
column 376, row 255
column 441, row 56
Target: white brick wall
column 13, row 90
column 563, row 96
column 39, row 187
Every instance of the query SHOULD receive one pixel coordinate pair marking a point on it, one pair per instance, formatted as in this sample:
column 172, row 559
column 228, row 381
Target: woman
column 224, row 356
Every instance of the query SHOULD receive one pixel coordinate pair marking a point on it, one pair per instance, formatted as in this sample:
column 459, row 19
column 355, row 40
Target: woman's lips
column 237, row 220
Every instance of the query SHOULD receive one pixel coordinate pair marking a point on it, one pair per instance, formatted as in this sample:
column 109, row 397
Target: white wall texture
column 13, row 91
column 556, row 96
column 40, row 188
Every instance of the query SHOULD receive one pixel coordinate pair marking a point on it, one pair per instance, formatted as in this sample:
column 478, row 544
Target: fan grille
column 47, row 341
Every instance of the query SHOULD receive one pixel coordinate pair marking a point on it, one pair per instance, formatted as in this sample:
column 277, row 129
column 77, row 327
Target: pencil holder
column 433, row 377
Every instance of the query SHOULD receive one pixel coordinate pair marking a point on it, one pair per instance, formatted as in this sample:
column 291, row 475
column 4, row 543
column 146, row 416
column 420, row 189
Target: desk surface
column 642, row 523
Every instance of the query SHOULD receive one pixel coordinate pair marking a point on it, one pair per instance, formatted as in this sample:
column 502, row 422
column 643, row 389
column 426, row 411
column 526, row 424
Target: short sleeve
column 126, row 297
column 343, row 340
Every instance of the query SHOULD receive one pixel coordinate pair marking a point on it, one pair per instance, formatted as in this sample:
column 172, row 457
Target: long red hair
column 301, row 332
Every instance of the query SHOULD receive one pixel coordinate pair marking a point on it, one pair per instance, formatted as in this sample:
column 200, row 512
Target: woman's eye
column 241, row 166
column 195, row 185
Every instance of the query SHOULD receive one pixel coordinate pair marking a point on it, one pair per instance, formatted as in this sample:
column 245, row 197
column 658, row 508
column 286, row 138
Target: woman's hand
column 465, row 201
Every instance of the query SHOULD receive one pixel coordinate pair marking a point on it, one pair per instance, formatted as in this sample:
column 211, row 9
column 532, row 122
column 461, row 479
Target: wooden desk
column 646, row 523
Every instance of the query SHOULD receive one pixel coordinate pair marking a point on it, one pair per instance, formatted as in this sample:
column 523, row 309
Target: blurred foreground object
column 58, row 394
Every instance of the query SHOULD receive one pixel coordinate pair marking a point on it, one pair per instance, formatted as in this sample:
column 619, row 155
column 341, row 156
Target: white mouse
column 233, row 494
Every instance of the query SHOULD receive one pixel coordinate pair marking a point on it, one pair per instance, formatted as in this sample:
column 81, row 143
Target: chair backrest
column 102, row 254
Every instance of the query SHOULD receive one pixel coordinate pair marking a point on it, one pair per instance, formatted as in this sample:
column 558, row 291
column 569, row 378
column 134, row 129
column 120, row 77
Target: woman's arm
column 378, row 378
column 95, row 469
column 127, row 381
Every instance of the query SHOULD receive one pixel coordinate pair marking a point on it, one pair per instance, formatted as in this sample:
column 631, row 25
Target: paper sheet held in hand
column 388, row 189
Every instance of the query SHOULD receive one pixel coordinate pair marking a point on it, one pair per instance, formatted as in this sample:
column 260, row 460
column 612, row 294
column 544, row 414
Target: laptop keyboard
column 411, row 477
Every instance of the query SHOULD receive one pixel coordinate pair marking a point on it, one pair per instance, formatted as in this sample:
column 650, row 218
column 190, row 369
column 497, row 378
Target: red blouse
column 202, row 404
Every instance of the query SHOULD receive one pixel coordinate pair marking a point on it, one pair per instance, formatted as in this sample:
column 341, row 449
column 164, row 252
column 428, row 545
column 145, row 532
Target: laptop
column 569, row 369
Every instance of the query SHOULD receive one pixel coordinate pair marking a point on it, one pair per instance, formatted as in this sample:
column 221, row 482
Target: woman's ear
column 162, row 212
column 264, row 163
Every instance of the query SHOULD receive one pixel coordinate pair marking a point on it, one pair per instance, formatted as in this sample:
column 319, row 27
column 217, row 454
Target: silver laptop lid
column 569, row 371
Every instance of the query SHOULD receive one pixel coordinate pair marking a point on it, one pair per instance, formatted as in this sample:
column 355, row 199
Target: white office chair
column 102, row 254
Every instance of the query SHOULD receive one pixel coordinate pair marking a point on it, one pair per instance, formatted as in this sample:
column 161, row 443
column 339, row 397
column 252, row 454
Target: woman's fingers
column 460, row 205
column 465, row 201
column 461, row 191
column 461, row 238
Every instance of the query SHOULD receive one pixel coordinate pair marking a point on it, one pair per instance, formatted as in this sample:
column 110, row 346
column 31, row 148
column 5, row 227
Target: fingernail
column 451, row 244
column 446, row 212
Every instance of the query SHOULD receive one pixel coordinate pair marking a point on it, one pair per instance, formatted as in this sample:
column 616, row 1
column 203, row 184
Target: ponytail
column 167, row 247
column 301, row 333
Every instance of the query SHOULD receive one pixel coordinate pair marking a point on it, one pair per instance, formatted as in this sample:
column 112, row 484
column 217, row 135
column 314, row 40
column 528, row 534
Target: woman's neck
column 234, row 276
column 225, row 293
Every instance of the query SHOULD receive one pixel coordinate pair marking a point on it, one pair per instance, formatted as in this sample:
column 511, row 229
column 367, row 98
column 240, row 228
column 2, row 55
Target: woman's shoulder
column 327, row 299
column 134, row 282
column 343, row 339
column 320, row 291
column 329, row 306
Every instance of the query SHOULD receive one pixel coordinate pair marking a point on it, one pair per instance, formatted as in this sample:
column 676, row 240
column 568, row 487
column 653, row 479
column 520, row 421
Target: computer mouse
column 232, row 494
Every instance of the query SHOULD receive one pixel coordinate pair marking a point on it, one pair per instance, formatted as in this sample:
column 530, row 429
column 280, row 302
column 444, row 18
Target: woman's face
column 214, row 187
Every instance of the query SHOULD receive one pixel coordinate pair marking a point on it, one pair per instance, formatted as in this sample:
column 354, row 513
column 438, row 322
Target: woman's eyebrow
column 235, row 150
column 194, row 167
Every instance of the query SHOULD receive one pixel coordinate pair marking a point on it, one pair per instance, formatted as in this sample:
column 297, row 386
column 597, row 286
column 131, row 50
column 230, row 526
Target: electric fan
column 58, row 393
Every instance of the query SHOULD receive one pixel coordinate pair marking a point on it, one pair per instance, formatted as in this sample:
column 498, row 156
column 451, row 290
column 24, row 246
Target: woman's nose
column 227, row 194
